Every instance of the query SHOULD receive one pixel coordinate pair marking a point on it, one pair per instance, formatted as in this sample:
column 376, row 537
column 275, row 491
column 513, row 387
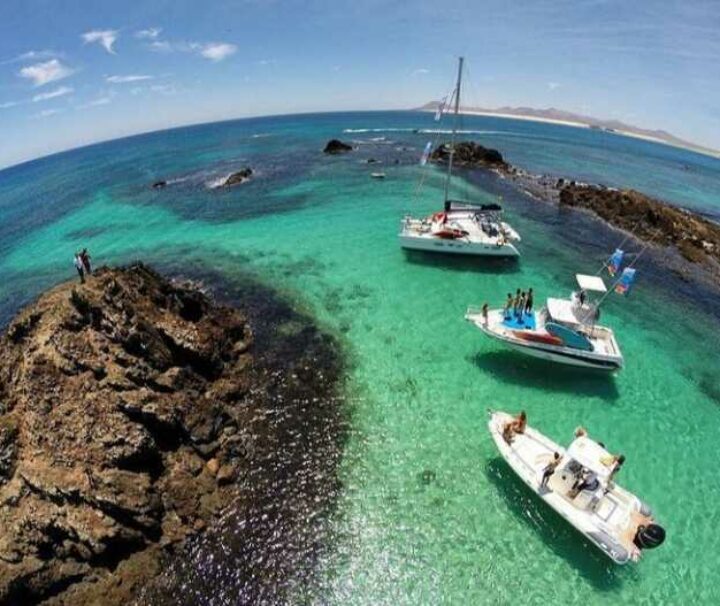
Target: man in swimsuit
column 550, row 469
column 529, row 301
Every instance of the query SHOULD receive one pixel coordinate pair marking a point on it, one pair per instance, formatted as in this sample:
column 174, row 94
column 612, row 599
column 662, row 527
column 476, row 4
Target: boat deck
column 526, row 322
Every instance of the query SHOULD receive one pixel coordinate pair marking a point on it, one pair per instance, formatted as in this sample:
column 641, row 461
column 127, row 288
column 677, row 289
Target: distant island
column 559, row 116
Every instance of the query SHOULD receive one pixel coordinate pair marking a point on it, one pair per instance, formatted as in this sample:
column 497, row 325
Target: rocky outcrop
column 470, row 154
column 696, row 238
column 238, row 178
column 125, row 415
column 335, row 146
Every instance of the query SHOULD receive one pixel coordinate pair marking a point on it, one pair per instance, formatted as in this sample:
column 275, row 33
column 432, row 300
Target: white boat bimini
column 581, row 489
column 564, row 331
column 460, row 228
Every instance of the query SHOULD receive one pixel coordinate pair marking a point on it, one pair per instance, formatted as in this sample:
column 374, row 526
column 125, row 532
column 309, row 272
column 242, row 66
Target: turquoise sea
column 428, row 513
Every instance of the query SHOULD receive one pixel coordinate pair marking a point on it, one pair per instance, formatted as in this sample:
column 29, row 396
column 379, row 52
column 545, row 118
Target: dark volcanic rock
column 696, row 238
column 116, row 396
column 470, row 154
column 239, row 177
column 335, row 146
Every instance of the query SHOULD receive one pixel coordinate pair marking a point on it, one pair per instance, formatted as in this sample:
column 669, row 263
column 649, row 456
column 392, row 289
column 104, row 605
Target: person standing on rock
column 85, row 257
column 80, row 266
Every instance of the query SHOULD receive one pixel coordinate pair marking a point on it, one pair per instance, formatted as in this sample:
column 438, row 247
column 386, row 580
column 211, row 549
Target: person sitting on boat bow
column 516, row 426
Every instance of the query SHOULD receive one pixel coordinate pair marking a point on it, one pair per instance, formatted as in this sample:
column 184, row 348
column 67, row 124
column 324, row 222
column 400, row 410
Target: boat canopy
column 591, row 455
column 563, row 311
column 458, row 205
column 594, row 283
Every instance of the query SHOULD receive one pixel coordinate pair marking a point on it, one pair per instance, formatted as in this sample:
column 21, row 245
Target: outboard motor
column 650, row 536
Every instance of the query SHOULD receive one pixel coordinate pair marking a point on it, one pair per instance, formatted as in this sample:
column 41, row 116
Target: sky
column 74, row 72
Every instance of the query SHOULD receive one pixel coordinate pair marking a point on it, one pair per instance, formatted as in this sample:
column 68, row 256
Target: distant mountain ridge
column 559, row 115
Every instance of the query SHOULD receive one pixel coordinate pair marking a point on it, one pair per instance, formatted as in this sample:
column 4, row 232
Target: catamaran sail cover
column 594, row 283
column 592, row 456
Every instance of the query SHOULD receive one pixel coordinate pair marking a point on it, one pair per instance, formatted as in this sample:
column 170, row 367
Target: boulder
column 470, row 154
column 335, row 146
column 239, row 177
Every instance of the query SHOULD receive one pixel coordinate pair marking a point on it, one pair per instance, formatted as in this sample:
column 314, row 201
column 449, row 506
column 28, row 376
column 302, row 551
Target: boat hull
column 559, row 354
column 457, row 246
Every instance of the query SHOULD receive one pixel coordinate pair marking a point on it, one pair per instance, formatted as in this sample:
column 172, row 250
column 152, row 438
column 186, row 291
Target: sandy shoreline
column 584, row 125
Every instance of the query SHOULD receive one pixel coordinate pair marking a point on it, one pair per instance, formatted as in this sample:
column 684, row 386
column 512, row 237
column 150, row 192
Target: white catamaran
column 460, row 228
column 580, row 487
column 564, row 331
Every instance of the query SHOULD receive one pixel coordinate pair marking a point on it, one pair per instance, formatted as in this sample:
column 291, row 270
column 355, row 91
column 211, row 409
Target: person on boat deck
column 521, row 310
column 508, row 306
column 485, row 314
column 516, row 303
column 588, row 481
column 582, row 296
column 614, row 461
column 550, row 469
column 529, row 301
column 517, row 425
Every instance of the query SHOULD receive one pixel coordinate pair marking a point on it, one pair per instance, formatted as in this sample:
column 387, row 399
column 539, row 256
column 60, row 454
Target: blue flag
column 615, row 262
column 426, row 154
column 626, row 281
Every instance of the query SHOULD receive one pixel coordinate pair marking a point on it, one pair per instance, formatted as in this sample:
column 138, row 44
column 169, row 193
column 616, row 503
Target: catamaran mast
column 454, row 128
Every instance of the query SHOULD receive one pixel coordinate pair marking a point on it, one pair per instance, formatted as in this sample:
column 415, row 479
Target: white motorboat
column 460, row 228
column 581, row 489
column 564, row 331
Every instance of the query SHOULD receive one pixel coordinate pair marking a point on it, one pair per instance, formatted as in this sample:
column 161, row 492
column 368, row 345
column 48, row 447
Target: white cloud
column 105, row 38
column 164, row 89
column 126, row 79
column 47, row 112
column 31, row 55
column 553, row 85
column 267, row 62
column 42, row 73
column 161, row 46
column 58, row 92
column 151, row 33
column 215, row 51
column 103, row 99
column 8, row 104
column 420, row 71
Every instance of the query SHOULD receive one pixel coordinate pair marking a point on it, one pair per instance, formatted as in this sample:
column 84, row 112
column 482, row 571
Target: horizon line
column 702, row 151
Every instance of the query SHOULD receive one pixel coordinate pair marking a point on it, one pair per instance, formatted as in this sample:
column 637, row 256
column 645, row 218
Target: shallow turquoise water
column 428, row 513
